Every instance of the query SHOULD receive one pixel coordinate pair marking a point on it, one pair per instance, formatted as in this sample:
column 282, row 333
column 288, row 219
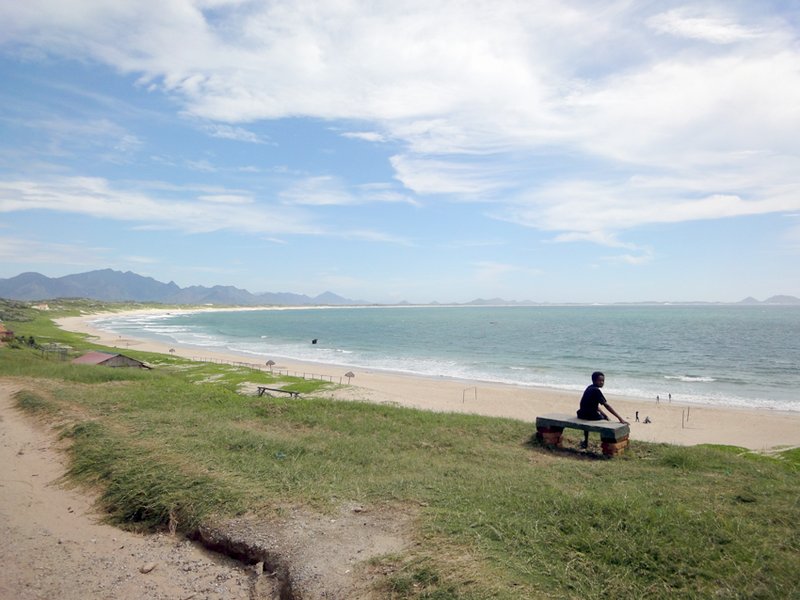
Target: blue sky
column 554, row 151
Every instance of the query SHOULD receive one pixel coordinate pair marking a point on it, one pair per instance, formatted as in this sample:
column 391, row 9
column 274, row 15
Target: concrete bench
column 262, row 389
column 613, row 435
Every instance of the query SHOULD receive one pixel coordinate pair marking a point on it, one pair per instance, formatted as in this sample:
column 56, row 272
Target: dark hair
column 597, row 374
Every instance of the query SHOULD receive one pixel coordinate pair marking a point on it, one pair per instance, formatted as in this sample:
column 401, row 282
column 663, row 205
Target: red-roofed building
column 107, row 359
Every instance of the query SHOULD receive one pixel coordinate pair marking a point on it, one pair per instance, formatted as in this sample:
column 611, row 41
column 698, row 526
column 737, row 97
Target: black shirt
column 590, row 403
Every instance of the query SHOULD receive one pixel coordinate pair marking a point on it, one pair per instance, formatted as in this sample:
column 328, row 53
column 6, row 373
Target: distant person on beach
column 637, row 416
column 590, row 404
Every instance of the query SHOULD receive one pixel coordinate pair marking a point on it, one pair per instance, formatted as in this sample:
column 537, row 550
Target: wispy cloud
column 238, row 134
column 107, row 139
column 141, row 260
column 385, row 192
column 318, row 191
column 227, row 199
column 332, row 191
column 464, row 180
column 367, row 235
column 598, row 212
column 201, row 165
column 98, row 198
column 652, row 111
column 689, row 23
column 367, row 136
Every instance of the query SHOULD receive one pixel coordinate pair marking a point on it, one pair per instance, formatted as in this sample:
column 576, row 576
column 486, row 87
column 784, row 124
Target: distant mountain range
column 115, row 286
column 783, row 300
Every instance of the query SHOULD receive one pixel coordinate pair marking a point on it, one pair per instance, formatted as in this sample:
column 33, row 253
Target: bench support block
column 550, row 436
column 614, row 448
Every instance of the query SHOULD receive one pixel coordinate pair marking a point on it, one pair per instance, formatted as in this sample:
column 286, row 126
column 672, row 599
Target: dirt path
column 53, row 545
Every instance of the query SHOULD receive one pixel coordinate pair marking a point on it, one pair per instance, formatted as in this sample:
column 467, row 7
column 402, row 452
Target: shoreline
column 752, row 428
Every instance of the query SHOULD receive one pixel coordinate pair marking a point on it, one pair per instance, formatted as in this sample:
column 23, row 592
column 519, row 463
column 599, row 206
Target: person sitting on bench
column 590, row 404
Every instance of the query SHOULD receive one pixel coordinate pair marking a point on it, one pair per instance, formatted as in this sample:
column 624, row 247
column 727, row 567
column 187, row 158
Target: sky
column 541, row 150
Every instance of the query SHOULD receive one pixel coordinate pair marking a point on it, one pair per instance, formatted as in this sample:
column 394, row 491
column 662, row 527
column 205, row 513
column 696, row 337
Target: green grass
column 498, row 516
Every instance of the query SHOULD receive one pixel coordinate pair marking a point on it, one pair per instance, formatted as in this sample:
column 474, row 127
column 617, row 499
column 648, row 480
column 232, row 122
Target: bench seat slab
column 609, row 431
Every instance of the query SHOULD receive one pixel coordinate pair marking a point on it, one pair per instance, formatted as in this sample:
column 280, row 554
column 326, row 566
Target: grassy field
column 498, row 516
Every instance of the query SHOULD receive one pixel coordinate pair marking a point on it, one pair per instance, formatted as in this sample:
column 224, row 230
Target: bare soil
column 55, row 544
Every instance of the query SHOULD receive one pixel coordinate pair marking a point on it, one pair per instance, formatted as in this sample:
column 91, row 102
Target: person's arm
column 613, row 412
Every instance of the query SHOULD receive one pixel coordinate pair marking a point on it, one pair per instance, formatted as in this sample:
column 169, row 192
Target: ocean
column 726, row 355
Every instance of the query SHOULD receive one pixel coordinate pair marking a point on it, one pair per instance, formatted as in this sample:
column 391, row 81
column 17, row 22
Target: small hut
column 107, row 359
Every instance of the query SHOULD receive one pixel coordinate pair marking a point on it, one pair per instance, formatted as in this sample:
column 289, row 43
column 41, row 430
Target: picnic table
column 262, row 389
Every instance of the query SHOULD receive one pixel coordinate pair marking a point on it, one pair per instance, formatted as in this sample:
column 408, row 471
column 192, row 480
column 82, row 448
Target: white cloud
column 693, row 110
column 227, row 199
column 64, row 136
column 434, row 176
column 141, row 260
column 201, row 165
column 128, row 143
column 239, row 134
column 602, row 238
column 318, row 191
column 367, row 235
column 469, row 88
column 327, row 190
column 597, row 211
column 384, row 192
column 96, row 197
column 392, row 63
column 367, row 136
column 716, row 29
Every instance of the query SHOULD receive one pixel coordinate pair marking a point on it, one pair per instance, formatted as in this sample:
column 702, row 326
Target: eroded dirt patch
column 311, row 555
column 55, row 545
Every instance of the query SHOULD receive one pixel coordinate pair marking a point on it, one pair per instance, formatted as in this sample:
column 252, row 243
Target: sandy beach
column 46, row 524
column 672, row 422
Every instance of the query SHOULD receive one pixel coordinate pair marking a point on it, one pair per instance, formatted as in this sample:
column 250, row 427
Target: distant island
column 109, row 285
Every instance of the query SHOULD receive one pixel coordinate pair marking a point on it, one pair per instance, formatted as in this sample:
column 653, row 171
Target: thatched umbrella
column 270, row 364
column 349, row 375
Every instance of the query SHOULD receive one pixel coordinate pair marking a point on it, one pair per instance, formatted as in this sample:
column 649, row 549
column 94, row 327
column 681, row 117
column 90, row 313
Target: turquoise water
column 724, row 355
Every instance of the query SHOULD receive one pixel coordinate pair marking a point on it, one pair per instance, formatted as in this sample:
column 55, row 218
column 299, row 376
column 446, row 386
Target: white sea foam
column 690, row 378
column 453, row 342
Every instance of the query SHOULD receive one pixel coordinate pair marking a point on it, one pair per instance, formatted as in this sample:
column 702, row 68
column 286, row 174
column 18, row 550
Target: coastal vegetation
column 495, row 515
